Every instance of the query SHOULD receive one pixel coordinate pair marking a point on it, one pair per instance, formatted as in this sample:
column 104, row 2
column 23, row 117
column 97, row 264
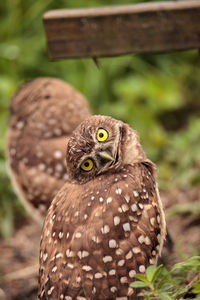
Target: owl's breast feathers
column 98, row 235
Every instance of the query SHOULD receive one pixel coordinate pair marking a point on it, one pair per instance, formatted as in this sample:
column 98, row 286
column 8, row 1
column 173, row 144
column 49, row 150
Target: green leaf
column 139, row 284
column 196, row 288
column 164, row 296
column 157, row 273
column 150, row 273
column 142, row 278
column 192, row 263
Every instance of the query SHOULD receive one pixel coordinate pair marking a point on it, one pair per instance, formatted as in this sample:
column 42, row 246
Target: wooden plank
column 117, row 30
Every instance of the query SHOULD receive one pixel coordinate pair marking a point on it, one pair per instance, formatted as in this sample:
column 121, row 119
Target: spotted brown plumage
column 107, row 223
column 44, row 112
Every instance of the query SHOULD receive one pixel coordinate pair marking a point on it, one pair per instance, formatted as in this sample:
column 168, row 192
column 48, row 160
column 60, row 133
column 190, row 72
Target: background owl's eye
column 102, row 135
column 87, row 165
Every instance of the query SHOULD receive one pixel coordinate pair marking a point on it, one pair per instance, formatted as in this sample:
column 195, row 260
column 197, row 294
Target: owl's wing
column 37, row 169
column 102, row 235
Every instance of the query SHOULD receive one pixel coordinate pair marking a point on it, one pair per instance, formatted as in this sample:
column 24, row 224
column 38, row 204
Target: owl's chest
column 110, row 197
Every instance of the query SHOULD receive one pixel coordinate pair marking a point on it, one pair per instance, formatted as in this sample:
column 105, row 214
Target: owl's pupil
column 101, row 135
column 86, row 164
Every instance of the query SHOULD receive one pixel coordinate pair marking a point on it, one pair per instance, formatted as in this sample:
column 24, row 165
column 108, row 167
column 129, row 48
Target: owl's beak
column 105, row 155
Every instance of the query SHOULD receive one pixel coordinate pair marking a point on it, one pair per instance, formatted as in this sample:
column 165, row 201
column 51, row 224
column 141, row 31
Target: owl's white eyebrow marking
column 142, row 268
column 118, row 191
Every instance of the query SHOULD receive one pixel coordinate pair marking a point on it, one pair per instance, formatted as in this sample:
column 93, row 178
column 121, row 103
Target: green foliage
column 180, row 282
column 158, row 95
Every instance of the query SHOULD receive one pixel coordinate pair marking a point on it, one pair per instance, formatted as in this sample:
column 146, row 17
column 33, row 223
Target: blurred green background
column 158, row 95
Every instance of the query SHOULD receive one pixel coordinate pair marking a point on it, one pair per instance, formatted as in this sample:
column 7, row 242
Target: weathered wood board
column 116, row 30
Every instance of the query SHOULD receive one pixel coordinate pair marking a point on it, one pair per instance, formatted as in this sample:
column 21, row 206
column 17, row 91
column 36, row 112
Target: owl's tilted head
column 100, row 144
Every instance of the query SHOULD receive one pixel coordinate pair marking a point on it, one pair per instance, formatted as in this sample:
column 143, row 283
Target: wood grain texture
column 117, row 30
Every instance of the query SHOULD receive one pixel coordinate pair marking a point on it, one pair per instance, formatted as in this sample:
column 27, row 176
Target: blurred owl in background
column 107, row 223
column 44, row 112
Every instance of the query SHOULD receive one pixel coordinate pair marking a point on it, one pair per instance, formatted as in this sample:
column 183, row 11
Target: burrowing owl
column 44, row 113
column 107, row 223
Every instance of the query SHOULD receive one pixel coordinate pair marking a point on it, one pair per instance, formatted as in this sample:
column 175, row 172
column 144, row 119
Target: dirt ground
column 19, row 254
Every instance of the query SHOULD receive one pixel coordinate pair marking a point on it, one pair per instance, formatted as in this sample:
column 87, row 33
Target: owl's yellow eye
column 102, row 135
column 87, row 165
